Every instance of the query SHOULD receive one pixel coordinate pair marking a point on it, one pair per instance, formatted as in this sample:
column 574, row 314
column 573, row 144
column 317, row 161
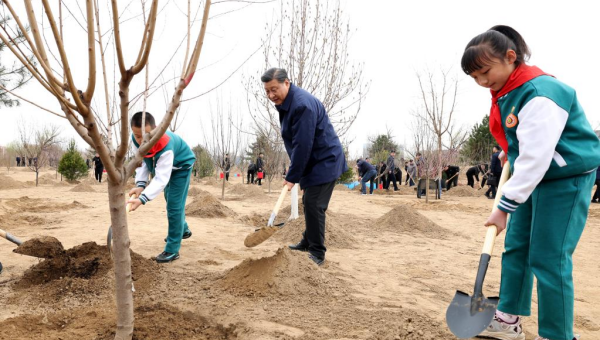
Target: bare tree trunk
column 223, row 186
column 122, row 256
column 36, row 177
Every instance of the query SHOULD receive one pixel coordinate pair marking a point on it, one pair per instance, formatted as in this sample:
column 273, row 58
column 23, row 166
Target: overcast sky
column 392, row 39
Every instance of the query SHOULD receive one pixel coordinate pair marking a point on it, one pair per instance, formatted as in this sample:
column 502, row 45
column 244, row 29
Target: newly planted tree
column 72, row 166
column 75, row 101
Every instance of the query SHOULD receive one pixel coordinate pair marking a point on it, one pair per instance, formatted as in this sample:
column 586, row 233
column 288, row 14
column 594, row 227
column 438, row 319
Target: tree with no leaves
column 35, row 144
column 76, row 104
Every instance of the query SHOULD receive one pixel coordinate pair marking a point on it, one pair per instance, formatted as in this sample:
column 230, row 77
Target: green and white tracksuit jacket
column 549, row 137
column 176, row 155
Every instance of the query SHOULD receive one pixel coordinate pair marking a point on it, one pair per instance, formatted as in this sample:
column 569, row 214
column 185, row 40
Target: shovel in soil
column 44, row 247
column 467, row 316
column 109, row 234
column 262, row 234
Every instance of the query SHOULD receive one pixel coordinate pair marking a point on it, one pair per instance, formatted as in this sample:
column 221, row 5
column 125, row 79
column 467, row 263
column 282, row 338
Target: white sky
column 393, row 39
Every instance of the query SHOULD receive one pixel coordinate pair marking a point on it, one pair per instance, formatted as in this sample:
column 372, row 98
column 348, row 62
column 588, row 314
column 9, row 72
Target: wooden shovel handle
column 284, row 190
column 129, row 204
column 490, row 237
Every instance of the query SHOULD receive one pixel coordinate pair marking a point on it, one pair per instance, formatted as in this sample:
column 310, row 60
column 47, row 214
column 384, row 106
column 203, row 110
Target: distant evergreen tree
column 478, row 147
column 11, row 76
column 72, row 166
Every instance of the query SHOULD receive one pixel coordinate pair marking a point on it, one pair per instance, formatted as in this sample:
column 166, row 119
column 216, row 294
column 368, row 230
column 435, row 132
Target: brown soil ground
column 465, row 191
column 386, row 276
column 83, row 187
column 247, row 191
column 207, row 206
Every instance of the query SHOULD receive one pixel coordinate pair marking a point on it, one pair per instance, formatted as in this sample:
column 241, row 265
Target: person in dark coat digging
column 316, row 154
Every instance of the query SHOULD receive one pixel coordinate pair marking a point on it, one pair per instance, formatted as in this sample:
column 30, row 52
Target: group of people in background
column 24, row 161
column 256, row 168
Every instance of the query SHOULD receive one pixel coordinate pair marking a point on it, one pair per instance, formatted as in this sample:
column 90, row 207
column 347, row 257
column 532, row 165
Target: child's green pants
column 540, row 239
column 176, row 194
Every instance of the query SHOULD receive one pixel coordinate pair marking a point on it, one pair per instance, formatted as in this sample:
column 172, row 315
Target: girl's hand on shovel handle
column 497, row 218
column 136, row 191
column 135, row 203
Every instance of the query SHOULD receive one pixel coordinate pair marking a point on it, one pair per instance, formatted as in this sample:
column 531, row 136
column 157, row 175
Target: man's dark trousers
column 98, row 173
column 391, row 178
column 316, row 200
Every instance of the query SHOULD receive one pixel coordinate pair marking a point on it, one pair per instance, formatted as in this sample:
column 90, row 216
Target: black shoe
column 165, row 257
column 317, row 260
column 491, row 197
column 298, row 246
column 186, row 234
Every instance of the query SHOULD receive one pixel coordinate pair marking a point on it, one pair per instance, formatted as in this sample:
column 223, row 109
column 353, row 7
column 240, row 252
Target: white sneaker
column 540, row 338
column 501, row 330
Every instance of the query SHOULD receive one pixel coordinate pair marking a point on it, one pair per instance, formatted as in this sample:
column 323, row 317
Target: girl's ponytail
column 522, row 49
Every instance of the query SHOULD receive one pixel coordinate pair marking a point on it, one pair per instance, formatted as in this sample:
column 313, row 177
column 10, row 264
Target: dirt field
column 393, row 265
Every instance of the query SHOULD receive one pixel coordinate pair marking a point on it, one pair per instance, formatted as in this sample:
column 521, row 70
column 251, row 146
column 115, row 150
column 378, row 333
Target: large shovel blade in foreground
column 467, row 316
column 43, row 247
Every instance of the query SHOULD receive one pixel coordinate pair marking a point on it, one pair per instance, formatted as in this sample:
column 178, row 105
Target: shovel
column 42, row 247
column 109, row 234
column 467, row 316
column 262, row 234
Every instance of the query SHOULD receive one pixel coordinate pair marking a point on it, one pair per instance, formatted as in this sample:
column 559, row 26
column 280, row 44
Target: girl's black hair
column 493, row 43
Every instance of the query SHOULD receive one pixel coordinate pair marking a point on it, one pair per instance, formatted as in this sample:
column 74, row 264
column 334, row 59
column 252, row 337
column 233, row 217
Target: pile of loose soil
column 42, row 247
column 287, row 211
column 412, row 327
column 82, row 272
column 194, row 191
column 404, row 219
column 286, row 273
column 464, row 191
column 215, row 182
column 82, row 187
column 19, row 221
column 158, row 321
column 207, row 206
column 255, row 220
column 38, row 205
column 341, row 187
column 336, row 234
column 247, row 191
column 7, row 183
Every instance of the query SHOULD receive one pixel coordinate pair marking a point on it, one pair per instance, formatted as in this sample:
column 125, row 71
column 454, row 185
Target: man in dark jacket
column 316, row 154
column 98, row 167
column 260, row 167
column 451, row 175
column 366, row 173
column 381, row 174
column 473, row 174
column 251, row 171
column 496, row 171
column 226, row 166
column 391, row 171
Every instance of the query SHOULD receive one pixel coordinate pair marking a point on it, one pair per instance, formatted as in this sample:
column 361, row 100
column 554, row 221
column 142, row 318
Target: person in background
column 382, row 174
column 596, row 198
column 391, row 169
column 260, row 167
column 226, row 166
column 473, row 174
column 452, row 172
column 366, row 173
column 398, row 174
column 495, row 172
column 98, row 167
column 250, row 173
column 411, row 172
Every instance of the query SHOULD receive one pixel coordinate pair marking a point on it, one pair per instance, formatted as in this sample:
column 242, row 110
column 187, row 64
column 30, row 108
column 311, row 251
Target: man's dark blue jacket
column 314, row 148
column 495, row 165
column 364, row 167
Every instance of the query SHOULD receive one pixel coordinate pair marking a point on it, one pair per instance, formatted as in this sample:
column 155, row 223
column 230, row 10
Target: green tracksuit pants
column 176, row 194
column 540, row 240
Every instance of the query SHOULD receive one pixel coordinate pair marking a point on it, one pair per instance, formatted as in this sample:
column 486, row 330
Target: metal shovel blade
column 468, row 316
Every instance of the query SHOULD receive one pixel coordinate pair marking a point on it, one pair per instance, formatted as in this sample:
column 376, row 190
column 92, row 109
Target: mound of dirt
column 207, row 206
column 194, row 191
column 285, row 273
column 38, row 205
column 153, row 321
column 82, row 272
column 42, row 247
column 287, row 211
column 82, row 187
column 341, row 187
column 14, row 221
column 7, row 183
column 247, row 191
column 464, row 191
column 335, row 232
column 404, row 219
column 215, row 182
column 255, row 220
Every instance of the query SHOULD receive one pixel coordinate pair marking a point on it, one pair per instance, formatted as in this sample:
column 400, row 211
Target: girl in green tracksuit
column 553, row 153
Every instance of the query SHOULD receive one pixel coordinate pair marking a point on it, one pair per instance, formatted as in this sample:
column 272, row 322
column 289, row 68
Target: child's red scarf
column 522, row 74
column 162, row 142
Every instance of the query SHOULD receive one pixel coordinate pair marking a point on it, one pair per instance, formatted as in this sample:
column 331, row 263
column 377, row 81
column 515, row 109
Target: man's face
column 137, row 133
column 393, row 154
column 276, row 91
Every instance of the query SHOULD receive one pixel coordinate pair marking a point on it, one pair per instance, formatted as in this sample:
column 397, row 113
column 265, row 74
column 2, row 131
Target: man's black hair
column 274, row 73
column 136, row 120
